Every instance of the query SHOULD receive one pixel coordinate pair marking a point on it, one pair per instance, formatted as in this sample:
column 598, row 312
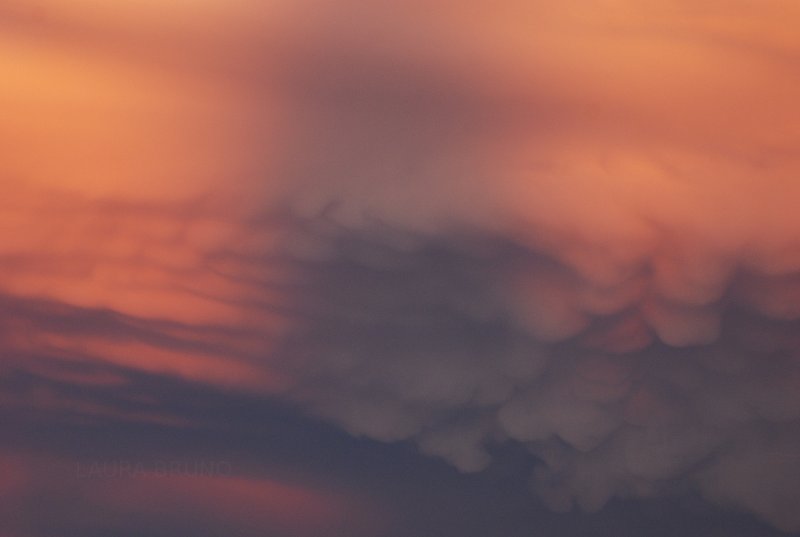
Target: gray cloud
column 420, row 342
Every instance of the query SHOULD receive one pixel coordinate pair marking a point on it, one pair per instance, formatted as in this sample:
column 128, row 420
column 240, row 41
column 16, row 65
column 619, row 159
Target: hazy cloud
column 473, row 227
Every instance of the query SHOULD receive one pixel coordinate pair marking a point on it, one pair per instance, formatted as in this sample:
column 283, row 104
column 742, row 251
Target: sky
column 304, row 268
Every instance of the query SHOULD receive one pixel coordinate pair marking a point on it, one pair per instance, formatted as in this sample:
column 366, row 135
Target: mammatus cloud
column 468, row 226
column 429, row 343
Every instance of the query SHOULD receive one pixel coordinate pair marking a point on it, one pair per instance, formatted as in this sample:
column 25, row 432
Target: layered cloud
column 465, row 225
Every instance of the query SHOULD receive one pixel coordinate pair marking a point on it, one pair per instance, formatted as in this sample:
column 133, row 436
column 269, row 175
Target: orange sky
column 629, row 126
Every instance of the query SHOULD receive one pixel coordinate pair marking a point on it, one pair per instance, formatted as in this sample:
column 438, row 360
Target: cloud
column 474, row 226
column 429, row 343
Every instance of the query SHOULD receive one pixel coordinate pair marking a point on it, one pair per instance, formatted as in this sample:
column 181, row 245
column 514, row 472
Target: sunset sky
column 382, row 268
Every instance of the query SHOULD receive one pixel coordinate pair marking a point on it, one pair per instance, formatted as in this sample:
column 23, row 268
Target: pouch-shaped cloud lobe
column 466, row 225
